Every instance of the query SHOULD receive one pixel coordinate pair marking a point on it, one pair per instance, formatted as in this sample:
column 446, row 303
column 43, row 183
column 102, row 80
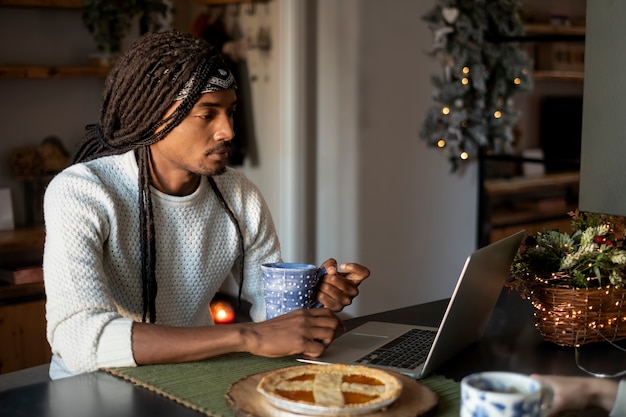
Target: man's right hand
column 306, row 332
column 301, row 331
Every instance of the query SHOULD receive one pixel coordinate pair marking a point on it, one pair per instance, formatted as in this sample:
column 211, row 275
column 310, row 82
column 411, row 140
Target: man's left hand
column 340, row 284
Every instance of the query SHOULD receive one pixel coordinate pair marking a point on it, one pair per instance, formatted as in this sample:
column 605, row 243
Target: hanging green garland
column 482, row 69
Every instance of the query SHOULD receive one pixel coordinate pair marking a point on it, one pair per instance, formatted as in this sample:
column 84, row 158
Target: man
column 148, row 204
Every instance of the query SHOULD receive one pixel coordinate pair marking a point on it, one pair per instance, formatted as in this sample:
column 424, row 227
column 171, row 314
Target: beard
column 220, row 148
column 217, row 171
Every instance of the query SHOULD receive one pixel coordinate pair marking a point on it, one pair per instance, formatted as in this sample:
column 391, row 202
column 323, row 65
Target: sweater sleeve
column 84, row 328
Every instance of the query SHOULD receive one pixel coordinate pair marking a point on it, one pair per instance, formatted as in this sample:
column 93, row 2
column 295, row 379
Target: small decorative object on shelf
column 109, row 22
column 576, row 281
column 35, row 167
column 560, row 19
column 7, row 220
column 482, row 70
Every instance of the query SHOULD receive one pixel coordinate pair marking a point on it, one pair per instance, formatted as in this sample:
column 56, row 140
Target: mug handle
column 320, row 273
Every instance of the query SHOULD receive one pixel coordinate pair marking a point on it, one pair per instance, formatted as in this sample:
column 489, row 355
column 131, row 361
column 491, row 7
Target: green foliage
column 108, row 21
column 593, row 255
column 482, row 71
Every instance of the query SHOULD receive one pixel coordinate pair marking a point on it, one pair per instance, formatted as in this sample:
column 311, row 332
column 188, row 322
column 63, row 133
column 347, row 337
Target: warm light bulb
column 464, row 155
column 441, row 143
column 222, row 312
column 465, row 70
column 517, row 81
column 465, row 81
column 445, row 110
column 497, row 114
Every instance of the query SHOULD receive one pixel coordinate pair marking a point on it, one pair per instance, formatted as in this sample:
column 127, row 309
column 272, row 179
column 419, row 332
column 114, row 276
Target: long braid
column 230, row 214
column 148, row 245
column 138, row 91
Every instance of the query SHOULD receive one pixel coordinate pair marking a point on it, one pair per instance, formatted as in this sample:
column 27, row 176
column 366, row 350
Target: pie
column 330, row 389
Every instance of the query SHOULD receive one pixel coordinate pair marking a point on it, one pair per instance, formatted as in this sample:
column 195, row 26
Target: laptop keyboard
column 406, row 351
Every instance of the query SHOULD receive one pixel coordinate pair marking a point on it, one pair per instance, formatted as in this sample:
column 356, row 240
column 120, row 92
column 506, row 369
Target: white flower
column 616, row 278
column 591, row 232
column 618, row 257
column 573, row 258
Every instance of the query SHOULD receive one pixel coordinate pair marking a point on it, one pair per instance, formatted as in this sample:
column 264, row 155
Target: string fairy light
column 475, row 79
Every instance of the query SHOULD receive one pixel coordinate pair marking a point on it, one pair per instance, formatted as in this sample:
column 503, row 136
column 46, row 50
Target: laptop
column 477, row 290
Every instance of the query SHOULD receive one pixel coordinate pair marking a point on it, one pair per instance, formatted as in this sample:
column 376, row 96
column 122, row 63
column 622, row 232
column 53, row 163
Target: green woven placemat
column 203, row 385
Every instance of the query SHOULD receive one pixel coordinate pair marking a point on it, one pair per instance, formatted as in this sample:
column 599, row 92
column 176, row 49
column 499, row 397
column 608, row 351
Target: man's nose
column 224, row 129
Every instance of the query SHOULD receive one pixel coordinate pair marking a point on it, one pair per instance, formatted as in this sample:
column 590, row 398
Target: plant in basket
column 576, row 281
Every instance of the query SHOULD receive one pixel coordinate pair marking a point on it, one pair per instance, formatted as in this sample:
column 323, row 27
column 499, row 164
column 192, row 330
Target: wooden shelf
column 507, row 218
column 48, row 72
column 11, row 294
column 554, row 75
column 548, row 29
column 545, row 33
column 517, row 185
column 22, row 239
column 215, row 2
column 64, row 4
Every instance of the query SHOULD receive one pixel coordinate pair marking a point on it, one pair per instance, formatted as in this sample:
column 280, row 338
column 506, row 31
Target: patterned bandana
column 222, row 79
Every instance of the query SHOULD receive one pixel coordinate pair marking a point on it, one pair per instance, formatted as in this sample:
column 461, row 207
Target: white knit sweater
column 92, row 258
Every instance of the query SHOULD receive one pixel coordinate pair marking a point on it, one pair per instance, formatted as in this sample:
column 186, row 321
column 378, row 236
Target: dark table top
column 510, row 343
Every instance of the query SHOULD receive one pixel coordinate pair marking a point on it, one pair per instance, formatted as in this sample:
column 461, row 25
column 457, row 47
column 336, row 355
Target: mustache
column 222, row 146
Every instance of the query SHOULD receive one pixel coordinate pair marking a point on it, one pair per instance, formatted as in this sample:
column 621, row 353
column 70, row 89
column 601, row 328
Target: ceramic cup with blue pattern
column 290, row 286
column 504, row 394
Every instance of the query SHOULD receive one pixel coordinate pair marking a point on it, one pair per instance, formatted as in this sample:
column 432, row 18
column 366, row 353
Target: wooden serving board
column 415, row 400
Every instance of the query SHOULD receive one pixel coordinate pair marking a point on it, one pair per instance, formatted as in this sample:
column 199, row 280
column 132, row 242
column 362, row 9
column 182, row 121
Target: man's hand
column 580, row 392
column 338, row 289
column 300, row 331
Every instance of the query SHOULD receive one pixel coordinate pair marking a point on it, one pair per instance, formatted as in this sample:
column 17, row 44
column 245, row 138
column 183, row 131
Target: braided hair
column 146, row 79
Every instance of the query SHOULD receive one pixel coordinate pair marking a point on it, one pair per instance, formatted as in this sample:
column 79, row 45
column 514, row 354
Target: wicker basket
column 577, row 316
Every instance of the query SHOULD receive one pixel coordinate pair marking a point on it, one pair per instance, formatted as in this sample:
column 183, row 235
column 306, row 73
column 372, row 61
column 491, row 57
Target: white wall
column 602, row 182
column 384, row 198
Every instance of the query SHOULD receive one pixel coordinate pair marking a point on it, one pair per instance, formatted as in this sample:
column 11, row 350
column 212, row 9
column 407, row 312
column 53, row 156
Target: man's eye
column 207, row 116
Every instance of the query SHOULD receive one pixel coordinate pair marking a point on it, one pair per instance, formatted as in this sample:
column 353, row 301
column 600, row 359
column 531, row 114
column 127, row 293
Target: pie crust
column 330, row 389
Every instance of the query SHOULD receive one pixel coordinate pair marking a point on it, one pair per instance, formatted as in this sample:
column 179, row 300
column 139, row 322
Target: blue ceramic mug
column 504, row 394
column 290, row 286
